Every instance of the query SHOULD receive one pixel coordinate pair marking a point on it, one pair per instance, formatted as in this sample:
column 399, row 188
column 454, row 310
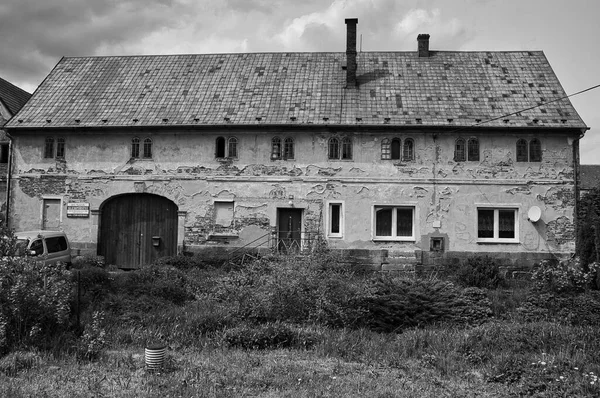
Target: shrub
column 93, row 340
column 167, row 283
column 181, row 262
column 18, row 361
column 34, row 302
column 566, row 276
column 398, row 303
column 481, row 272
column 268, row 336
column 292, row 290
column 88, row 260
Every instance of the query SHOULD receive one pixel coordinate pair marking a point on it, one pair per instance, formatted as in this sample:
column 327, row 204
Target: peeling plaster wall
column 184, row 170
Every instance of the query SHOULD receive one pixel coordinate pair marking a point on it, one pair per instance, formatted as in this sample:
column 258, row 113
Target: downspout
column 576, row 177
column 8, row 178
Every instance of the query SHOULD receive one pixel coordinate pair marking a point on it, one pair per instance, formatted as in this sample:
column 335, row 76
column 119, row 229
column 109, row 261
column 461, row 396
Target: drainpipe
column 8, row 175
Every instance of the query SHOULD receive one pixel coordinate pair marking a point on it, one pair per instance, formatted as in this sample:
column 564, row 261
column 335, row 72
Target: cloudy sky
column 35, row 34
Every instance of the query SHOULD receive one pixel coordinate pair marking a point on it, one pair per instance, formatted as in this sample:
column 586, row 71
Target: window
column 535, row 151
column 52, row 151
column 522, row 152
column 279, row 151
column 224, row 213
column 469, row 152
column 385, row 149
column 394, row 223
column 4, row 153
column 60, row 148
column 346, row 148
column 49, row 148
column 459, row 150
column 473, row 150
column 335, row 222
column 497, row 225
column 276, row 148
column 56, row 244
column 135, row 148
column 147, row 148
column 226, row 147
column 531, row 152
column 396, row 148
column 37, row 248
column 288, row 148
column 334, row 148
column 408, row 152
column 232, row 147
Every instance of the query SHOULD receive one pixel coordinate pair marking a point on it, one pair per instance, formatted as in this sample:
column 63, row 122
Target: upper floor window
column 226, row 147
column 135, row 147
column 346, row 148
column 473, row 149
column 54, row 151
column 385, row 149
column 147, row 148
column 396, row 148
column 334, row 148
column 337, row 151
column 522, row 151
column 282, row 150
column 468, row 150
column 408, row 150
column 529, row 152
column 535, row 151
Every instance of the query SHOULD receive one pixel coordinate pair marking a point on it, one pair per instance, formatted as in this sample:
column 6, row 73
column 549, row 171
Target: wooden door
column 136, row 229
column 51, row 214
column 289, row 230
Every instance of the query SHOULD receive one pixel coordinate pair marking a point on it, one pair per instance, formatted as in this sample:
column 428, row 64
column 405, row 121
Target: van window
column 37, row 247
column 56, row 244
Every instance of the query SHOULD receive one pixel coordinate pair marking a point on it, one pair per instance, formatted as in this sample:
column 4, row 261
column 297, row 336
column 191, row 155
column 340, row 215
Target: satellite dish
column 534, row 214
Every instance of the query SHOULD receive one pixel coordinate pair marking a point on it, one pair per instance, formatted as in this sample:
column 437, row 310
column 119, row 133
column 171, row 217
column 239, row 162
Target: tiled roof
column 12, row 96
column 397, row 88
column 589, row 176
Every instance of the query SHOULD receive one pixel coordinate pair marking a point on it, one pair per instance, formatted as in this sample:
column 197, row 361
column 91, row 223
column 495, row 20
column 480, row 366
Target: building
column 589, row 178
column 391, row 157
column 12, row 98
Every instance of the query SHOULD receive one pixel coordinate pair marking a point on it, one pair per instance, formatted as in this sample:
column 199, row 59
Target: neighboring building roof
column 274, row 88
column 589, row 176
column 12, row 96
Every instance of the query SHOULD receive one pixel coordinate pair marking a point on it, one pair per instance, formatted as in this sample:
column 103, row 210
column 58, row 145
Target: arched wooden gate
column 136, row 229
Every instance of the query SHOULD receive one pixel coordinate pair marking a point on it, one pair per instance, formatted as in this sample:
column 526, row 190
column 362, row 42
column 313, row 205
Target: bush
column 269, row 336
column 89, row 261
column 566, row 276
column 292, row 290
column 400, row 303
column 161, row 282
column 181, row 262
column 34, row 302
column 481, row 272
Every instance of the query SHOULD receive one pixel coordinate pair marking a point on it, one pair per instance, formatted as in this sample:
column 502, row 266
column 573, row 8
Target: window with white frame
column 497, row 224
column 391, row 222
column 335, row 220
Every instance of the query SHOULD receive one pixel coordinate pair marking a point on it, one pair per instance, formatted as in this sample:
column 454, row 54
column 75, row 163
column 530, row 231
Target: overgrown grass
column 308, row 327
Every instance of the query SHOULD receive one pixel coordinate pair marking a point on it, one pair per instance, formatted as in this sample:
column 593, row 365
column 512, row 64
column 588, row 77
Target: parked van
column 48, row 246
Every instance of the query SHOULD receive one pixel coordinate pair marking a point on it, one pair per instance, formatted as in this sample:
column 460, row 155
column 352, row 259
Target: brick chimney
column 351, row 52
column 423, row 48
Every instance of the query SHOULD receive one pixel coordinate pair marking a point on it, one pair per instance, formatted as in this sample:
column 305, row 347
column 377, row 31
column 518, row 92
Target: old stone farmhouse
column 12, row 98
column 388, row 156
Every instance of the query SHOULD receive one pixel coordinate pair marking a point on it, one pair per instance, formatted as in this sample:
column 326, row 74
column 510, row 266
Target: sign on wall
column 78, row 209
